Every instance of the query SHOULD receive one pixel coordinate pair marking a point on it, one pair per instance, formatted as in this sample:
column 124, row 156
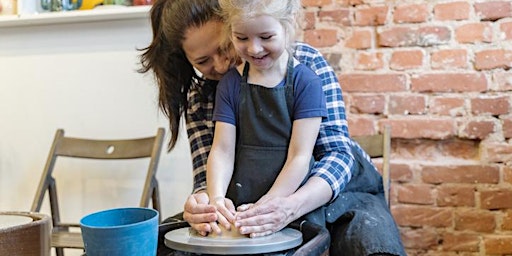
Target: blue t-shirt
column 309, row 99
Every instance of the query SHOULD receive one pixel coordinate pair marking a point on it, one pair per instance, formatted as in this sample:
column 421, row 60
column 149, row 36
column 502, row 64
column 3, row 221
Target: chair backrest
column 148, row 147
column 376, row 146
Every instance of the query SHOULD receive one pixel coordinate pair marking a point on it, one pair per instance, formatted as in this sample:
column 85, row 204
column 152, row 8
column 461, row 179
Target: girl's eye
column 266, row 37
column 241, row 38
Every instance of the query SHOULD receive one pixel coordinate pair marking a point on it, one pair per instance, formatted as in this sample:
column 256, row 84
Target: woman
column 187, row 36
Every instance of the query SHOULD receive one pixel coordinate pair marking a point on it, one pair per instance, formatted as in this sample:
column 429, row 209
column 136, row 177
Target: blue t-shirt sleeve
column 309, row 96
column 226, row 98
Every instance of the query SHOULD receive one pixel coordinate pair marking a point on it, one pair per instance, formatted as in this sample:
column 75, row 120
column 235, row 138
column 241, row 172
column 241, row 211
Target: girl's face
column 260, row 40
column 202, row 45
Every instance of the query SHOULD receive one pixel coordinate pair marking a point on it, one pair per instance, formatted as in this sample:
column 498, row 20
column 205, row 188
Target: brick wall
column 439, row 73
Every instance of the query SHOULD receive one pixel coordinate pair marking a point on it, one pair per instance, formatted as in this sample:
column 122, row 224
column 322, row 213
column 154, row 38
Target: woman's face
column 202, row 45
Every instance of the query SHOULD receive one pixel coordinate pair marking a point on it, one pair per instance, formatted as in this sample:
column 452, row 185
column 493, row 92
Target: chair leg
column 59, row 251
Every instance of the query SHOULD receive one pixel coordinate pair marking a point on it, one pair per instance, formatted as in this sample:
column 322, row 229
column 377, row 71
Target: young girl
column 268, row 109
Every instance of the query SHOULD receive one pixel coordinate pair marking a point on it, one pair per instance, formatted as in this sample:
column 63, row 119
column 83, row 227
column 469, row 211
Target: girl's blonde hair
column 287, row 12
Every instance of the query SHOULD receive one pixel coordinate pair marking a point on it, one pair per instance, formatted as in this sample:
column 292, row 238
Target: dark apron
column 264, row 126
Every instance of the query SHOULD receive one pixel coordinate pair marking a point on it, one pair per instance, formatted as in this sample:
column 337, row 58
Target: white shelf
column 47, row 18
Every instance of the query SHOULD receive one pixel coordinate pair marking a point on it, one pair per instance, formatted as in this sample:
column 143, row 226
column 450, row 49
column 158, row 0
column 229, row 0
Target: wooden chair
column 379, row 145
column 148, row 147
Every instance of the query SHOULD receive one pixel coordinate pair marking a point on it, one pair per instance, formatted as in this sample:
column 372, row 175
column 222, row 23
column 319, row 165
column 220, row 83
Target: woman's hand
column 267, row 216
column 198, row 213
column 272, row 213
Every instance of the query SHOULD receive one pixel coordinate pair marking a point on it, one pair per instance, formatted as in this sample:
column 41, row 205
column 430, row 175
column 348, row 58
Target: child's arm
column 219, row 169
column 300, row 152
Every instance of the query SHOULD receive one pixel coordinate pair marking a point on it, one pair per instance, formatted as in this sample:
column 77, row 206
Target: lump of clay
column 227, row 234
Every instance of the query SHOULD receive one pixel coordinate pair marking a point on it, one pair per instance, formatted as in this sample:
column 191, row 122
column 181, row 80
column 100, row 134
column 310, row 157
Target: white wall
column 80, row 77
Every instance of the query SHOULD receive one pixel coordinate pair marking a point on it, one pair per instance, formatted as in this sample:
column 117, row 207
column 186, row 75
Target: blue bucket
column 121, row 231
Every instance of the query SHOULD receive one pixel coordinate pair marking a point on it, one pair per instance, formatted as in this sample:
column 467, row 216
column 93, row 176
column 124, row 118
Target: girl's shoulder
column 231, row 75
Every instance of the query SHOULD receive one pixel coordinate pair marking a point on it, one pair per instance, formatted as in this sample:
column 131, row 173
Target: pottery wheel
column 186, row 239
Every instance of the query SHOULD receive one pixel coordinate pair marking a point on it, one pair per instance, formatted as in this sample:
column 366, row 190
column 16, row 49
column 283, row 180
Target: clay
column 227, row 234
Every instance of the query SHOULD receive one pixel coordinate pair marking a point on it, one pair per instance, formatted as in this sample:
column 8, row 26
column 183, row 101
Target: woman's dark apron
column 264, row 126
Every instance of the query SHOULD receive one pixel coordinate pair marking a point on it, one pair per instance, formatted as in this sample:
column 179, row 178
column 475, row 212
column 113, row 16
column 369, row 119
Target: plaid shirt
column 332, row 151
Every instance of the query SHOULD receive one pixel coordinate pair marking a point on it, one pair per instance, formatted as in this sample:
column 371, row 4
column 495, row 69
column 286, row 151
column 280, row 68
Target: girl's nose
column 254, row 47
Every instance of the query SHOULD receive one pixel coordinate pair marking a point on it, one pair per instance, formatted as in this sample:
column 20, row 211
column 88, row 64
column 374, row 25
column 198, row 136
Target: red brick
column 424, row 238
column 450, row 58
column 422, row 216
column 493, row 10
column 498, row 244
column 506, row 31
column 339, row 16
column 489, row 105
column 369, row 61
column 368, row 104
column 507, row 174
column 493, row 59
column 447, row 106
column 452, row 11
column 358, row 126
column 416, row 194
column 470, row 174
column 429, row 150
column 407, row 105
column 428, row 128
column 400, row 172
column 455, row 196
column 371, row 16
column 493, row 199
column 503, row 80
column 449, row 82
column 412, row 13
column 401, row 60
column 497, row 152
column 479, row 221
column 309, row 22
column 507, row 126
column 407, row 36
column 507, row 221
column 359, row 39
column 474, row 33
column 478, row 129
column 461, row 242
column 321, row 37
column 368, row 82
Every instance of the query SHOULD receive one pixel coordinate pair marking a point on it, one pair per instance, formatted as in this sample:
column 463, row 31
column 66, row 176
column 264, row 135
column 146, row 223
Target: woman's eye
column 266, row 37
column 202, row 62
column 241, row 38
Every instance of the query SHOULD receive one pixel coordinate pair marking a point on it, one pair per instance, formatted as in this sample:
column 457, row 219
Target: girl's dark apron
column 264, row 126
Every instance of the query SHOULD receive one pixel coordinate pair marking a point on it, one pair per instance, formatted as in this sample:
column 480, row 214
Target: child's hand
column 225, row 213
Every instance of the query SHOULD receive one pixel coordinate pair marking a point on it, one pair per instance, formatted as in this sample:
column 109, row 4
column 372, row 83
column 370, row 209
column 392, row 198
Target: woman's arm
column 332, row 151
column 200, row 129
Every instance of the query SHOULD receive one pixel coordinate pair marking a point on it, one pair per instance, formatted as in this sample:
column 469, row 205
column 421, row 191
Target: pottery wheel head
column 187, row 239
